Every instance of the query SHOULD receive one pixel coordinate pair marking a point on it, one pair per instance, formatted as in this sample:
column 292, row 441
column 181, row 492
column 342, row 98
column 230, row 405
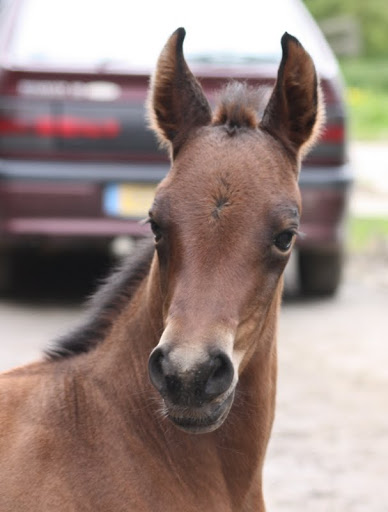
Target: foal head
column 224, row 222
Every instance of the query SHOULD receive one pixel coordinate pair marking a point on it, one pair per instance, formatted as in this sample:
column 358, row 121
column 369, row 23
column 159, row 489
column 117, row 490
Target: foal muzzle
column 197, row 397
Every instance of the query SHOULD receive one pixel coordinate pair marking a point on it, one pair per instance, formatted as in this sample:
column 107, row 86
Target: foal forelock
column 240, row 106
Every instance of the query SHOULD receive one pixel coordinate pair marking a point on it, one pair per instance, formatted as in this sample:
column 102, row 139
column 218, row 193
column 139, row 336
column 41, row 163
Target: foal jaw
column 190, row 421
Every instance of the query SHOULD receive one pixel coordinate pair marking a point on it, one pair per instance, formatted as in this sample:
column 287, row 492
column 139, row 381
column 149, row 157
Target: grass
column 368, row 114
column 367, row 97
column 367, row 233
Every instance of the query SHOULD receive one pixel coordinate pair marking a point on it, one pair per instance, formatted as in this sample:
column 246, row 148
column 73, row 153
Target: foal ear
column 295, row 112
column 177, row 103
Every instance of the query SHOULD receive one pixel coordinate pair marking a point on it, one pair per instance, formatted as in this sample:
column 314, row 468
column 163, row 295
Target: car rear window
column 125, row 34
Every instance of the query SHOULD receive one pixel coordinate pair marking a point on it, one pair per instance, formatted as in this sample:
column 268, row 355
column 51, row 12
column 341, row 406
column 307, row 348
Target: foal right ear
column 295, row 113
column 176, row 103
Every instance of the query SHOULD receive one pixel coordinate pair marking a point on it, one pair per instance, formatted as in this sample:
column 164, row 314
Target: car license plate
column 128, row 200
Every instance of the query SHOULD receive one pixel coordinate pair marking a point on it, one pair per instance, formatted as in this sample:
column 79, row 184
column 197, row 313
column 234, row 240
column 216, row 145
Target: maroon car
column 77, row 162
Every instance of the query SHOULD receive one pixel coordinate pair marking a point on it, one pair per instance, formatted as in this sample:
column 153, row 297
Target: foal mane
column 105, row 304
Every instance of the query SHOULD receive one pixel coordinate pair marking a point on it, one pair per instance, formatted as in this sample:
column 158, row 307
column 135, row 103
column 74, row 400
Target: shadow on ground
column 57, row 278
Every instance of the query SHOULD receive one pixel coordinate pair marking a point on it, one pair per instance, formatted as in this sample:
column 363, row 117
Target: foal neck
column 231, row 457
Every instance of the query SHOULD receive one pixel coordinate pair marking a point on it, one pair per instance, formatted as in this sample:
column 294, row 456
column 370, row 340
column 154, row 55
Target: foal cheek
column 167, row 277
column 256, row 313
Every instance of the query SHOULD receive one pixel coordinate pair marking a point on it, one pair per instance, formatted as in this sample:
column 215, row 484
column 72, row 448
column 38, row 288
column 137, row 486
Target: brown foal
column 164, row 399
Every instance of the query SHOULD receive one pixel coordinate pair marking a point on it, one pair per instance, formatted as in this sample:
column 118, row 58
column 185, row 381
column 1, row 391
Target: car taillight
column 333, row 133
column 331, row 148
column 61, row 126
column 12, row 126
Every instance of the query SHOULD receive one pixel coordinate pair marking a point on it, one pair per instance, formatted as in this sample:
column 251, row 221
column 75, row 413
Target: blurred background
column 357, row 33
column 78, row 168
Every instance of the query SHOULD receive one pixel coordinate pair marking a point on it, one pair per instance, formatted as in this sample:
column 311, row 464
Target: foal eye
column 283, row 241
column 155, row 230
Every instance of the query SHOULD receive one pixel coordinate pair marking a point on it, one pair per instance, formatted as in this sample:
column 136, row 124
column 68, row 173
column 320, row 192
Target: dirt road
column 329, row 449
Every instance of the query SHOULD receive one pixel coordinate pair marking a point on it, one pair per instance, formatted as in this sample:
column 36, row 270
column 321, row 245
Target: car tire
column 320, row 272
column 6, row 271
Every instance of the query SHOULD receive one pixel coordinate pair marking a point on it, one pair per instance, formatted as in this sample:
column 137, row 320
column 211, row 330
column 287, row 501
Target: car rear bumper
column 53, row 200
column 82, row 172
column 65, row 200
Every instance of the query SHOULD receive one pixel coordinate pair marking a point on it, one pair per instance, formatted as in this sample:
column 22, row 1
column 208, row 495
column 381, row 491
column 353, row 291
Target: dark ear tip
column 181, row 34
column 288, row 38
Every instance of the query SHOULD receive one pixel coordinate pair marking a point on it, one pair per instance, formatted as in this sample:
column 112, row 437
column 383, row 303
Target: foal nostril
column 155, row 368
column 221, row 375
column 164, row 376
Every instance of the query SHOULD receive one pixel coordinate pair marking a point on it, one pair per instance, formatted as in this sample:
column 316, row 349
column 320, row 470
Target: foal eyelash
column 145, row 221
column 300, row 234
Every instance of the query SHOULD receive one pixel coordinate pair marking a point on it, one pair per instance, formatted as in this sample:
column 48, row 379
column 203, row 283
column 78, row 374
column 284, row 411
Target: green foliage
column 366, row 77
column 371, row 14
column 367, row 97
column 371, row 73
column 368, row 115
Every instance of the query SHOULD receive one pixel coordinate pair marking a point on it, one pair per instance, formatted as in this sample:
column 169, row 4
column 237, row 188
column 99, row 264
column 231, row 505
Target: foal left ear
column 295, row 112
column 176, row 103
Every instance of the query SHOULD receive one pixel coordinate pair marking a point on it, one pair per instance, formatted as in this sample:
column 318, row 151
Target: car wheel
column 6, row 270
column 320, row 272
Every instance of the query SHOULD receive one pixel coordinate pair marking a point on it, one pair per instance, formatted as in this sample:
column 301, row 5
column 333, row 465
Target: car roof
column 116, row 35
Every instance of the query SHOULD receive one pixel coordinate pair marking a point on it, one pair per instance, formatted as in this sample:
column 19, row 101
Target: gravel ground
column 329, row 448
